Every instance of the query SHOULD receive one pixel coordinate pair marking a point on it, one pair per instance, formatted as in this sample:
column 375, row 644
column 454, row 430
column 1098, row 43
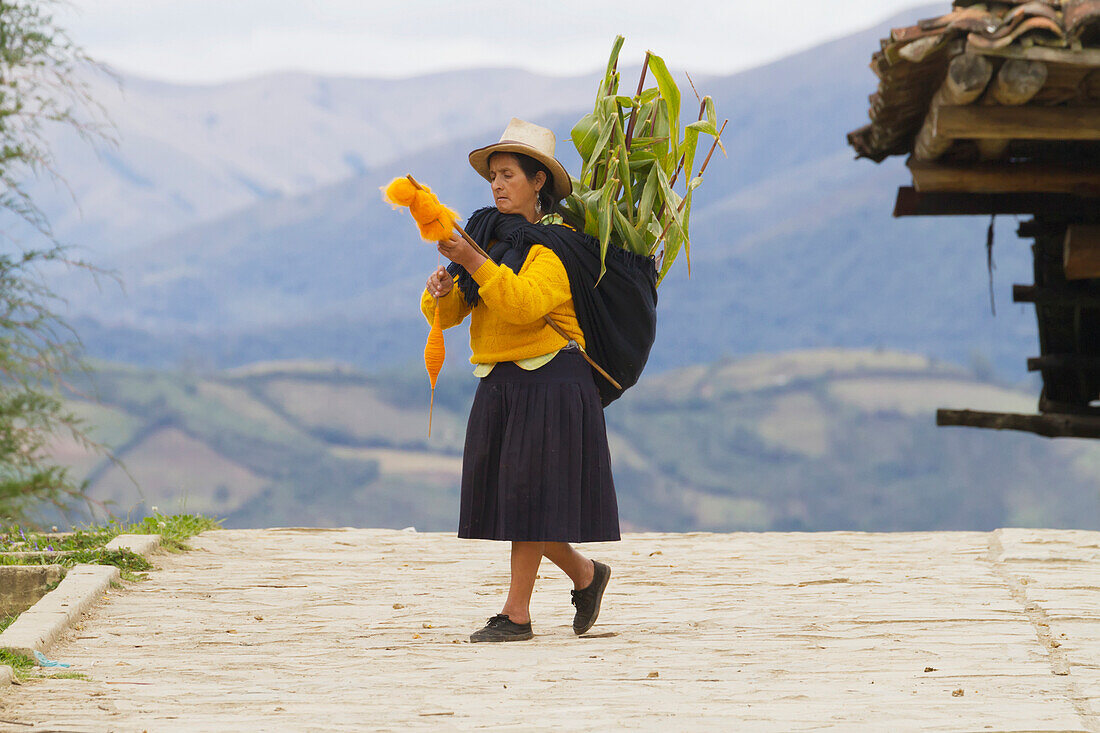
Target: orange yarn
column 435, row 351
column 435, row 221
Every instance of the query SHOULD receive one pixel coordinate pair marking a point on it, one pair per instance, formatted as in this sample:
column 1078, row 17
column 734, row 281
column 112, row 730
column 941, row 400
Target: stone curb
column 41, row 624
column 141, row 544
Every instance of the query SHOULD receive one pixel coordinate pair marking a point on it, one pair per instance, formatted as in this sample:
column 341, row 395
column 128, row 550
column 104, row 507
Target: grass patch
column 60, row 676
column 125, row 560
column 7, row 621
column 18, row 662
column 174, row 531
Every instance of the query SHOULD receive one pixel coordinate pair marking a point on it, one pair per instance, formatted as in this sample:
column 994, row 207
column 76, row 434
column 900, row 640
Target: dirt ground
column 368, row 629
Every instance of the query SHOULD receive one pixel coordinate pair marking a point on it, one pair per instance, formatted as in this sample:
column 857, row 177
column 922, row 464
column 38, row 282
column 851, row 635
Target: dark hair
column 530, row 168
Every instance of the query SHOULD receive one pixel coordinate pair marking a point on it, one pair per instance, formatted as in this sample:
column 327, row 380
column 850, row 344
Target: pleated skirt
column 536, row 466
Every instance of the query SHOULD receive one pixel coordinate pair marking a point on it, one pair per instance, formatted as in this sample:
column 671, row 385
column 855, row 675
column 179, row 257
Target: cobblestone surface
column 367, row 629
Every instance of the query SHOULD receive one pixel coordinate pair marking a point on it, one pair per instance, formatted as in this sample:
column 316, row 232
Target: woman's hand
column 457, row 249
column 440, row 282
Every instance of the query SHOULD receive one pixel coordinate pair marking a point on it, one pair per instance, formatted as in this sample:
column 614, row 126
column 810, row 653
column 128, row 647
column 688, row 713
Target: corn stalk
column 632, row 152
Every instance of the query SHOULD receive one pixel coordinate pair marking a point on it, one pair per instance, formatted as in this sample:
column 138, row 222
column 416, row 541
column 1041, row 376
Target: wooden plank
column 1054, row 296
column 1081, row 57
column 1049, row 425
column 1064, row 362
column 977, row 122
column 1081, row 252
column 1005, row 178
column 910, row 202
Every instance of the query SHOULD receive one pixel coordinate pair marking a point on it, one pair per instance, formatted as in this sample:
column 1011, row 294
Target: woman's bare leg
column 578, row 567
column 526, row 557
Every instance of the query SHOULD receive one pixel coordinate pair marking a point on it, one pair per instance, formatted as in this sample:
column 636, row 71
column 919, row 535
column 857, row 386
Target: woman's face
column 513, row 192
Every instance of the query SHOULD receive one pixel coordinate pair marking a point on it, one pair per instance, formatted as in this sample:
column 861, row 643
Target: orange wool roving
column 434, row 220
column 400, row 192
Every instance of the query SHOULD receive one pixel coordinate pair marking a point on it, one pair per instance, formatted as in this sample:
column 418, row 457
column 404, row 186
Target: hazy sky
column 217, row 40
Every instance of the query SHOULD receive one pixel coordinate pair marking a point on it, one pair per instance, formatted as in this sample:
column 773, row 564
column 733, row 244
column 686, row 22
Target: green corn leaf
column 613, row 61
column 648, row 95
column 703, row 126
column 639, row 143
column 672, row 202
column 605, row 221
column 684, row 243
column 649, row 195
column 677, row 242
column 642, row 128
column 627, row 233
column 640, row 163
column 585, row 134
column 671, row 95
column 600, row 147
column 627, row 102
column 691, row 141
column 712, row 118
column 623, row 163
column 673, row 241
column 661, row 133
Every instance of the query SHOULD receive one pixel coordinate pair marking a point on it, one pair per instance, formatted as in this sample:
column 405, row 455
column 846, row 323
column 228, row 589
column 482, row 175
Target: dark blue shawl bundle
column 618, row 316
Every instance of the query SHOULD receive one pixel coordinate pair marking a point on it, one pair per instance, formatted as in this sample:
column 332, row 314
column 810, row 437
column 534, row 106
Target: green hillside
column 816, row 440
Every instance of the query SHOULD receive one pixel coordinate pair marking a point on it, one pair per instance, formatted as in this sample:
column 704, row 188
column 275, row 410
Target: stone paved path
column 367, row 629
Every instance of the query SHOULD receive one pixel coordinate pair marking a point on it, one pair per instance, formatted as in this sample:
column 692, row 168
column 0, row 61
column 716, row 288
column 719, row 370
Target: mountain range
column 246, row 224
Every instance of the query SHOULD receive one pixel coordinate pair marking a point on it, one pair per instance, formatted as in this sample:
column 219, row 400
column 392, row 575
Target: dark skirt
column 536, row 466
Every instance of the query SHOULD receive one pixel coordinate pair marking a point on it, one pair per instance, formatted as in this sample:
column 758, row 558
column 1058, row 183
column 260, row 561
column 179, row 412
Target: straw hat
column 524, row 137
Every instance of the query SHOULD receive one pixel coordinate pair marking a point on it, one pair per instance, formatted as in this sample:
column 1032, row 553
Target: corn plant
column 632, row 154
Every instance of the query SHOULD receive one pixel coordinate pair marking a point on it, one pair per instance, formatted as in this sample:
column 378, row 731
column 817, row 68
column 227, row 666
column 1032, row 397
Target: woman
column 536, row 469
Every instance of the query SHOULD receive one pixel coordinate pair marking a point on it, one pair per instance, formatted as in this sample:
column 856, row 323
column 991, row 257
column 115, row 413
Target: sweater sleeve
column 540, row 287
column 452, row 307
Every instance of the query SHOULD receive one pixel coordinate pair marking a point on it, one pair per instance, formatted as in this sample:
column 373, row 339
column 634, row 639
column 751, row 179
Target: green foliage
column 39, row 89
column 125, row 560
column 68, row 675
column 632, row 155
column 18, row 662
column 88, row 539
column 174, row 530
column 35, row 353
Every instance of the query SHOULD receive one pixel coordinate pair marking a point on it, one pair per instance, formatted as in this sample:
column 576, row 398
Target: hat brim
column 479, row 159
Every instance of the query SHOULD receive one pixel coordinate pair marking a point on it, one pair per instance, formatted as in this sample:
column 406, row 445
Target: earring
column 538, row 205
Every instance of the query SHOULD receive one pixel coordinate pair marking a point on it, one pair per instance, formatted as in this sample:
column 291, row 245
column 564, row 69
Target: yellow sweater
column 507, row 323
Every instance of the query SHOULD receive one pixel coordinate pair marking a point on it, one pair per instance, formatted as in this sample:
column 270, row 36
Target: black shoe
column 502, row 628
column 588, row 599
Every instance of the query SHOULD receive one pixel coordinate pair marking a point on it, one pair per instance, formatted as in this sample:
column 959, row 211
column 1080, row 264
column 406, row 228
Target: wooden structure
column 997, row 107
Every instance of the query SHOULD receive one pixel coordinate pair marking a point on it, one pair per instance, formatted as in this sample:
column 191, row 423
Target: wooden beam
column 1081, row 252
column 1005, row 178
column 910, row 202
column 1016, row 82
column 1069, row 57
column 1049, row 425
column 1064, row 362
column 967, row 77
column 1054, row 296
column 1018, row 123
